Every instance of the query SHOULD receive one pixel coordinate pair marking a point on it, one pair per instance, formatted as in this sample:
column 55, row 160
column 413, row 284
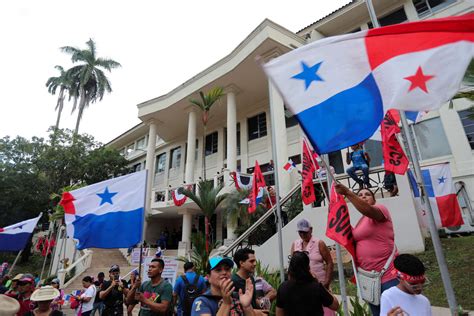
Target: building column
column 281, row 142
column 231, row 132
column 191, row 148
column 150, row 167
column 185, row 243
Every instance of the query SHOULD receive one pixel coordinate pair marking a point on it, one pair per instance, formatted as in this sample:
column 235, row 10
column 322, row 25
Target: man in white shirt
column 406, row 297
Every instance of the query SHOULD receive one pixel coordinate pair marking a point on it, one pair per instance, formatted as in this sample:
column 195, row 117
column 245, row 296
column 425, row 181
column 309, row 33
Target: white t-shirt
column 413, row 305
column 90, row 292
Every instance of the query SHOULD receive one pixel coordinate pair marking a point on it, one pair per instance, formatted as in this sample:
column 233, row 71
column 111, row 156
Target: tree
column 205, row 105
column 89, row 80
column 208, row 200
column 63, row 82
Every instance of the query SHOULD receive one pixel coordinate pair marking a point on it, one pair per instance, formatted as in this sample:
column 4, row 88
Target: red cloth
column 394, row 157
column 257, row 182
column 307, row 187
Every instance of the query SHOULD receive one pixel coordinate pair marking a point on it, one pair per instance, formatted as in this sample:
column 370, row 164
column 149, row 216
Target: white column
column 185, row 243
column 231, row 132
column 244, row 145
column 150, row 167
column 277, row 107
column 191, row 148
column 410, row 11
column 220, row 152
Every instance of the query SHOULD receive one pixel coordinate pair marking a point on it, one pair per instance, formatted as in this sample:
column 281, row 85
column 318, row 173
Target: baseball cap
column 303, row 225
column 114, row 268
column 27, row 278
column 217, row 260
column 55, row 281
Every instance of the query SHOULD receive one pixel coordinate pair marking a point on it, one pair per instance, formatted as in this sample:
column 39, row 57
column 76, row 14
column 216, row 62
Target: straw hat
column 8, row 306
column 17, row 277
column 45, row 293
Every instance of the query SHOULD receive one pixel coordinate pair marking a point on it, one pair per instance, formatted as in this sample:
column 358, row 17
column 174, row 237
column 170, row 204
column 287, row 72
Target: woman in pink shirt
column 374, row 236
column 320, row 260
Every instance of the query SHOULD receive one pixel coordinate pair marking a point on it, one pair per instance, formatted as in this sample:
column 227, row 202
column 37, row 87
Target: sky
column 160, row 44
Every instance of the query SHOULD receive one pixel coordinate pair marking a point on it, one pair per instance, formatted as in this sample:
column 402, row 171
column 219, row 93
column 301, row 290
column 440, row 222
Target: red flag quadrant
column 394, row 157
column 307, row 188
column 339, row 226
column 258, row 186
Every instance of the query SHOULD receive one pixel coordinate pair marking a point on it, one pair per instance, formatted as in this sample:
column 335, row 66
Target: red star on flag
column 419, row 80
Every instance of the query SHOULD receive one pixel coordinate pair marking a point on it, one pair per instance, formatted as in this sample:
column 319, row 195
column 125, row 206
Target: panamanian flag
column 441, row 195
column 340, row 87
column 108, row 214
column 16, row 236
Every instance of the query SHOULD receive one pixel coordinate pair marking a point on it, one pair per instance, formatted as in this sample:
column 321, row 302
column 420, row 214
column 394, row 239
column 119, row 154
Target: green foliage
column 198, row 254
column 294, row 206
column 207, row 198
column 30, row 170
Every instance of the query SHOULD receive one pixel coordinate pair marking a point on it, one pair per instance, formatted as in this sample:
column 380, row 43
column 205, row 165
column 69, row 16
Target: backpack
column 191, row 292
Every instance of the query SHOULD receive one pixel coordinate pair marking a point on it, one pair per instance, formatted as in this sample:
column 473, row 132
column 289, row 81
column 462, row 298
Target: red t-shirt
column 374, row 243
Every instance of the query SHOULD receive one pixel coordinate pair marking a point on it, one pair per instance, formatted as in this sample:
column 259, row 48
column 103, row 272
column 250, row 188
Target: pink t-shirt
column 374, row 243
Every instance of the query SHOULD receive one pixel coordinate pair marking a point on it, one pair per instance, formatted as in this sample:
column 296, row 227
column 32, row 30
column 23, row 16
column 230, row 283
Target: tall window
column 335, row 160
column 430, row 139
column 374, row 149
column 290, row 119
column 428, row 7
column 257, row 126
column 160, row 163
column 137, row 167
column 175, row 157
column 468, row 125
column 211, row 143
column 395, row 17
column 141, row 143
column 238, row 140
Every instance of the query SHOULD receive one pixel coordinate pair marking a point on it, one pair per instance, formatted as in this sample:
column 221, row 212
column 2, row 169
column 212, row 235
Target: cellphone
column 116, row 277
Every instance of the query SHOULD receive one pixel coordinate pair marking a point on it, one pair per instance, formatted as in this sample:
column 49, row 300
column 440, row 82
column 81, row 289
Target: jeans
column 375, row 309
column 365, row 170
column 99, row 307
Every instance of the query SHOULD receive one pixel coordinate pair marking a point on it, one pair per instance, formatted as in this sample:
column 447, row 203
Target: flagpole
column 317, row 176
column 340, row 265
column 277, row 186
column 50, row 231
column 448, row 287
column 147, row 203
column 15, row 261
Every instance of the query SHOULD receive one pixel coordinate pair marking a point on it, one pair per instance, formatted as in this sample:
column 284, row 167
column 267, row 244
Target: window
column 175, row 157
column 141, row 143
column 428, row 7
column 374, row 149
column 160, row 163
column 396, row 17
column 296, row 159
column 430, row 139
column 137, row 167
column 238, row 141
column 211, row 143
column 335, row 160
column 130, row 149
column 290, row 119
column 257, row 126
column 468, row 125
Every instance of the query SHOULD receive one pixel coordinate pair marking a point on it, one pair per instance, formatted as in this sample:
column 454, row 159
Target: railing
column 81, row 265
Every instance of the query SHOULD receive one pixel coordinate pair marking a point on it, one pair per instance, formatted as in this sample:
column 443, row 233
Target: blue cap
column 215, row 261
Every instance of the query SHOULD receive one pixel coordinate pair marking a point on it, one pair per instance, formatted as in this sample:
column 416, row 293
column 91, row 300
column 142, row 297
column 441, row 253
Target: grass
column 459, row 254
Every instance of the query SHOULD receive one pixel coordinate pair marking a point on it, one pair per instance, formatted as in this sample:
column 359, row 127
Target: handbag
column 370, row 283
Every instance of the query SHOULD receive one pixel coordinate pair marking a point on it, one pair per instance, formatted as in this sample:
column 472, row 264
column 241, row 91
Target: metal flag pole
column 15, row 261
column 448, row 288
column 277, row 191
column 340, row 265
column 47, row 251
column 147, row 203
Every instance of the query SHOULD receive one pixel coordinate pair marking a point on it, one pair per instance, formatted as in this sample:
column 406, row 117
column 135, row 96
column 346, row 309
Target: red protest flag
column 339, row 226
column 307, row 187
column 394, row 157
column 258, row 186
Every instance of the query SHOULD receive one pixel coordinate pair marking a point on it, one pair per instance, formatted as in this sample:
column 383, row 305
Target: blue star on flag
column 106, row 196
column 441, row 180
column 309, row 74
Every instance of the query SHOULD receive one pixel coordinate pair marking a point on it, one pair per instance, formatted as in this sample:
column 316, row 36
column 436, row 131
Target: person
column 43, row 297
column 360, row 161
column 87, row 298
column 246, row 263
column 57, row 302
column 303, row 294
column 374, row 236
column 154, row 295
column 320, row 260
column 265, row 293
column 187, row 287
column 218, row 298
column 26, row 286
column 270, row 201
column 406, row 297
column 13, row 289
column 98, row 303
column 390, row 183
column 8, row 305
column 113, row 292
column 133, row 280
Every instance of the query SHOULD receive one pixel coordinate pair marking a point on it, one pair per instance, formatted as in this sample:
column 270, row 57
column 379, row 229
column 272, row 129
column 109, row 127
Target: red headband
column 411, row 278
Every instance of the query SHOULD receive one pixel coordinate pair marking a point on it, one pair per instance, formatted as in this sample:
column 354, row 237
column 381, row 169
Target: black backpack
column 191, row 292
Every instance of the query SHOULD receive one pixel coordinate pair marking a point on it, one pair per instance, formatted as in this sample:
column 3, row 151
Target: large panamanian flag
column 340, row 87
column 16, row 236
column 108, row 214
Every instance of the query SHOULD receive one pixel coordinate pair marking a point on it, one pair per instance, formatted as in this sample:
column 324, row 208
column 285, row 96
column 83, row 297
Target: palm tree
column 62, row 82
column 208, row 200
column 205, row 104
column 89, row 80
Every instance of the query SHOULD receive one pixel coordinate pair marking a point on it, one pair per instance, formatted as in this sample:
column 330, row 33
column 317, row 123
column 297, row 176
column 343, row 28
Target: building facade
column 170, row 142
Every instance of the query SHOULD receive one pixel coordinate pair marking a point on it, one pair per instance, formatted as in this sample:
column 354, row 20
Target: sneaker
column 361, row 185
column 368, row 185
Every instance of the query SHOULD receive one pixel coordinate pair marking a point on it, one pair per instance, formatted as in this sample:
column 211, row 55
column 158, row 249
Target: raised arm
column 362, row 206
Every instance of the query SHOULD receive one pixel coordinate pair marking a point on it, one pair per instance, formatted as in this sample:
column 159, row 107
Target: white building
column 169, row 142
